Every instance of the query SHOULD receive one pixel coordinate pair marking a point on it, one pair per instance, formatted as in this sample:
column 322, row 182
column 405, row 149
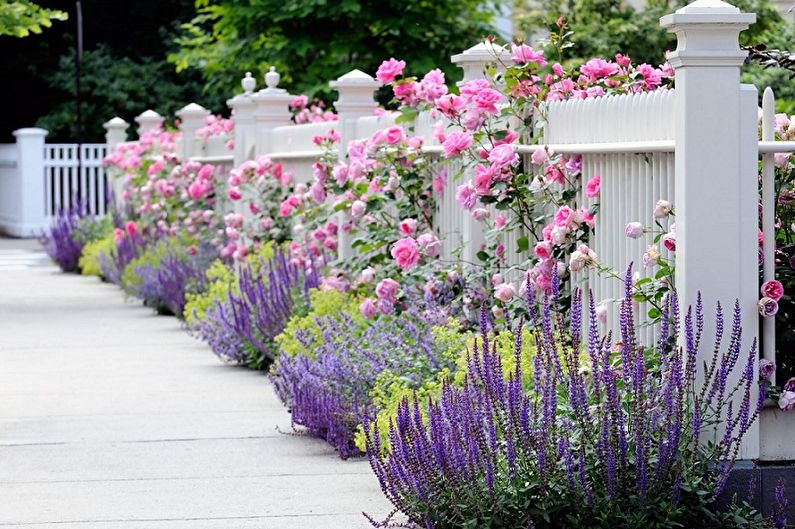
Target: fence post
column 243, row 107
column 32, row 216
column 474, row 62
column 716, row 173
column 356, row 90
column 115, row 132
column 273, row 110
column 148, row 120
column 192, row 117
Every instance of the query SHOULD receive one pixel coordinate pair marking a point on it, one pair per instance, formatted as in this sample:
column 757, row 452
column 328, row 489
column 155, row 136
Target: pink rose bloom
column 523, row 54
column 432, row 86
column 405, row 253
column 205, row 173
column 662, row 209
column 430, row 243
column 407, row 226
column 387, row 289
column 288, row 205
column 790, row 385
column 593, row 186
column 766, row 369
column 772, row 289
column 367, row 275
column 781, row 159
column 471, row 88
column 499, row 221
column 406, row 93
column 601, row 313
column 669, row 241
column 299, row 102
column 466, row 195
column 368, row 308
column 483, row 177
column 131, row 228
column 787, row 401
column 394, row 135
column 543, row 250
column 389, row 70
column 651, row 256
column 652, row 77
column 456, row 143
column 504, row 292
column 480, row 214
column 450, row 105
column 487, row 100
column 358, row 208
column 503, row 156
column 564, row 216
column 767, row 307
column 539, row 156
column 196, row 190
column 234, row 194
column 118, row 234
column 634, row 230
column 553, row 173
column 439, row 182
column 597, row 68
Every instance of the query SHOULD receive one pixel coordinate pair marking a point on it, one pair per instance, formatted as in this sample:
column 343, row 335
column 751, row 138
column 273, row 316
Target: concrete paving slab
column 113, row 417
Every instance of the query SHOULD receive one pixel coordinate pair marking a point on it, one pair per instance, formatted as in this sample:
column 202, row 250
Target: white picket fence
column 71, row 181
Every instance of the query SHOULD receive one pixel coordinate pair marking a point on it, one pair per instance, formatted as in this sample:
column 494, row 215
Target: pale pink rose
column 439, row 182
column 601, row 313
column 662, row 209
column 564, row 216
column 669, row 240
column 767, row 307
column 497, row 312
column 781, row 159
column 358, row 208
column 480, row 213
column 634, row 230
column 299, row 102
column 407, row 226
column 368, row 308
column 496, row 279
column 466, row 195
column 387, row 289
column 651, row 256
column 389, row 70
column 503, row 156
column 431, row 244
column 559, row 235
column 772, row 289
column 593, row 186
column 456, row 143
column 367, row 275
column 405, row 253
column 787, row 401
column 543, row 250
column 790, row 385
column 234, row 220
column 505, row 292
column 500, row 221
column 523, row 54
column 766, row 369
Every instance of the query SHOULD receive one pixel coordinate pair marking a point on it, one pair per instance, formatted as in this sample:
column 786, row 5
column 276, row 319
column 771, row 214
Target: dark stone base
column 756, row 484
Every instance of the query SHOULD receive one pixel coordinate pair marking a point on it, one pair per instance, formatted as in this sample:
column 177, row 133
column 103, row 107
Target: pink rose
column 593, row 186
column 483, row 177
column 503, row 156
column 523, row 54
column 407, row 226
column 206, row 172
column 504, row 292
column 196, row 190
column 234, row 194
column 480, row 213
column 634, row 230
column 767, row 307
column 539, row 156
column 486, row 100
column 389, row 70
column 787, row 401
column 790, row 385
column 543, row 250
column 601, row 314
column 358, row 208
column 405, row 253
column 131, row 228
column 406, row 93
column 564, row 216
column 597, row 68
column 669, row 241
column 450, row 105
column 466, row 195
column 662, row 209
column 368, row 308
column 772, row 289
column 456, row 143
column 430, row 243
column 387, row 289
column 766, row 369
column 394, row 135
column 500, row 221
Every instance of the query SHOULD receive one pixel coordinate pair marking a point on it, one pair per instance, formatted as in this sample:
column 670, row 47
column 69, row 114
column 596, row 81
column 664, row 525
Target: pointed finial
column 248, row 83
column 272, row 78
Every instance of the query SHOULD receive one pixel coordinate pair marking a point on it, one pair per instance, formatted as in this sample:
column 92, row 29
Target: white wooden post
column 243, row 107
column 716, row 172
column 474, row 62
column 356, row 91
column 272, row 110
column 32, row 218
column 192, row 117
column 115, row 132
column 148, row 120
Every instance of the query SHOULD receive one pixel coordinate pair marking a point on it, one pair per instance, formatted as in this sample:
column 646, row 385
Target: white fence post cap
column 30, row 131
column 481, row 52
column 115, row 123
column 355, row 78
column 192, row 110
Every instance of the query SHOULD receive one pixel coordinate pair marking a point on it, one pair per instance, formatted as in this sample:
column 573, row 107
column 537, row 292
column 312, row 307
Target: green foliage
column 314, row 41
column 322, row 302
column 89, row 260
column 118, row 86
column 20, row 18
column 220, row 279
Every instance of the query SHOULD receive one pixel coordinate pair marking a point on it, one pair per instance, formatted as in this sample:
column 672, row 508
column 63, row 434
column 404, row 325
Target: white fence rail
column 70, row 180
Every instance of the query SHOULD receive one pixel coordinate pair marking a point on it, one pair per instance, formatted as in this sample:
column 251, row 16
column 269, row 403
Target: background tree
column 313, row 41
column 20, row 18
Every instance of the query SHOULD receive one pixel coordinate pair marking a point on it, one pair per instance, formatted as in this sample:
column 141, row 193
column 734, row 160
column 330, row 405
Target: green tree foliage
column 114, row 85
column 20, row 18
column 313, row 41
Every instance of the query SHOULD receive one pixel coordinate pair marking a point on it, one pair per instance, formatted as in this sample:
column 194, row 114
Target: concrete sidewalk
column 113, row 417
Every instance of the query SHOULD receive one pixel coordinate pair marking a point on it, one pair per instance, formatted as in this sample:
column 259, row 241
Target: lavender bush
column 607, row 437
column 242, row 327
column 328, row 388
column 127, row 247
column 70, row 230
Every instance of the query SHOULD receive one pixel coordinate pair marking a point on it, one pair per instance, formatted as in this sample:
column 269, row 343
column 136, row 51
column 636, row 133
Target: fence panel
column 68, row 179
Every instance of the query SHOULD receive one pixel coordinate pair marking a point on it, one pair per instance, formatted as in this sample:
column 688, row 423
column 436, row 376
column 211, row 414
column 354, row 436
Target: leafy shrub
column 612, row 442
column 114, row 260
column 89, row 262
column 69, row 232
column 328, row 387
